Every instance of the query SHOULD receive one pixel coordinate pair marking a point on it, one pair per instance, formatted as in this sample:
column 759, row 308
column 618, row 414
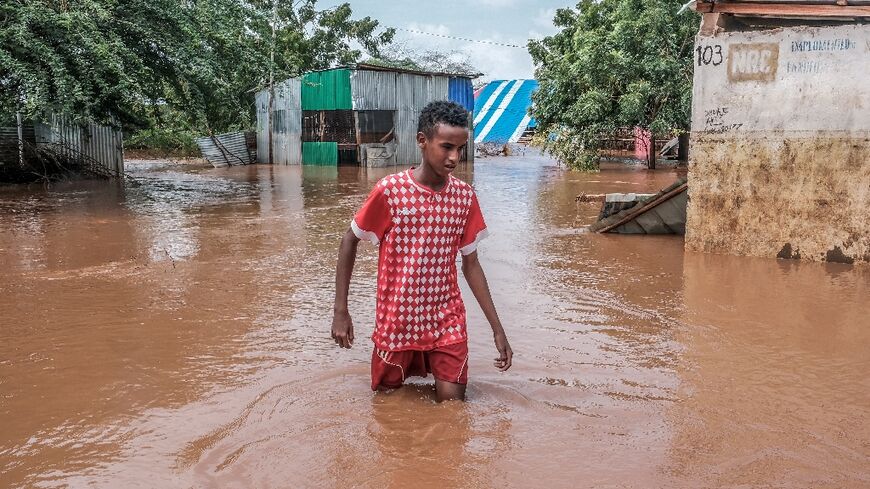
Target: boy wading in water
column 420, row 218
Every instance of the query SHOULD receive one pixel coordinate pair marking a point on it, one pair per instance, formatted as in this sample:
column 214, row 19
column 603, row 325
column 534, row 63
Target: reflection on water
column 173, row 333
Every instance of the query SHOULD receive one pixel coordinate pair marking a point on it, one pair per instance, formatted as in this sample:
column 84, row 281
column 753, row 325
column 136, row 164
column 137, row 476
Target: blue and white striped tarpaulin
column 501, row 111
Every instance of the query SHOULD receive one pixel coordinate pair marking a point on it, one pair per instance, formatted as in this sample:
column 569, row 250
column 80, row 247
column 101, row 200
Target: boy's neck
column 426, row 176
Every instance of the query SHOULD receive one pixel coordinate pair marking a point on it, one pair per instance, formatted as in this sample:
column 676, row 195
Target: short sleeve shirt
column 419, row 232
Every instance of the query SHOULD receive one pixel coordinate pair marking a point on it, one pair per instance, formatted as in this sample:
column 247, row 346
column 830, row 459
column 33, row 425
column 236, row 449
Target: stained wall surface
column 780, row 144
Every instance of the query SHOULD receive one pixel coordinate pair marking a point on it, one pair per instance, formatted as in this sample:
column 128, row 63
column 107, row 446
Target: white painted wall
column 787, row 79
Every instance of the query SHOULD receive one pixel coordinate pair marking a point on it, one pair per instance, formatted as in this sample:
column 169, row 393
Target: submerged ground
column 173, row 331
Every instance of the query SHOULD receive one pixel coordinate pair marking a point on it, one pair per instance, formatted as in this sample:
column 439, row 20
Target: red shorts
column 447, row 363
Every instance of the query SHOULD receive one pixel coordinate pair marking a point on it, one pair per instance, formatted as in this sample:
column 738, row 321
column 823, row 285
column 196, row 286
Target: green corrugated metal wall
column 327, row 90
column 325, row 154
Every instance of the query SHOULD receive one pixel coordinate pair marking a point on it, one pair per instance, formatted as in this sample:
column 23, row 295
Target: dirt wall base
column 786, row 195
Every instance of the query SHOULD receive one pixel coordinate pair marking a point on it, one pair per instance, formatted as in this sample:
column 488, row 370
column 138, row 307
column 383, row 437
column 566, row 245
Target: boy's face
column 444, row 149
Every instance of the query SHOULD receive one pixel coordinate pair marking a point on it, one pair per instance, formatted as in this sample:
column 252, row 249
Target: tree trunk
column 683, row 147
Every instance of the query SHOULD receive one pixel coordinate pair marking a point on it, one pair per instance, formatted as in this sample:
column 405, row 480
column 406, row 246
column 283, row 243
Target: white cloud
column 533, row 34
column 498, row 3
column 494, row 60
column 545, row 18
column 424, row 37
column 439, row 29
column 500, row 62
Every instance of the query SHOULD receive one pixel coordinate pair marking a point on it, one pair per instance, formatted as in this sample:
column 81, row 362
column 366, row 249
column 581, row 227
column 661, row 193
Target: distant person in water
column 420, row 218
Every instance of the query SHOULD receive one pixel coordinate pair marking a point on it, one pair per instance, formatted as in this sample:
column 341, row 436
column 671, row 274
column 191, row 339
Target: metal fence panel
column 97, row 144
column 9, row 144
column 226, row 149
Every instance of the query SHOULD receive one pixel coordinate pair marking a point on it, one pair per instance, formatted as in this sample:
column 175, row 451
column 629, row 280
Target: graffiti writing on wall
column 823, row 45
column 714, row 116
column 710, row 55
column 714, row 121
column 807, row 67
column 753, row 62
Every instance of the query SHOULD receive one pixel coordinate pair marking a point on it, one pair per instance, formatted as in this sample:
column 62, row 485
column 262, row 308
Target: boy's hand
column 342, row 329
column 505, row 354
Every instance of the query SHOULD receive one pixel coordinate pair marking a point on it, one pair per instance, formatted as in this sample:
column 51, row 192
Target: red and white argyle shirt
column 419, row 230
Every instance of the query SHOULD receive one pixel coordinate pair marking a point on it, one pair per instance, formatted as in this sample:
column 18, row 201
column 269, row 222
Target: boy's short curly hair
column 441, row 112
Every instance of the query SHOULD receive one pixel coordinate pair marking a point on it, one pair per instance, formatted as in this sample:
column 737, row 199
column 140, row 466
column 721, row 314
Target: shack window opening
column 328, row 126
column 376, row 126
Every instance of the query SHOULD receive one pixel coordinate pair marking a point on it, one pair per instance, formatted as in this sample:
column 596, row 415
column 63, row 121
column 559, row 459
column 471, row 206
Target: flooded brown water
column 174, row 333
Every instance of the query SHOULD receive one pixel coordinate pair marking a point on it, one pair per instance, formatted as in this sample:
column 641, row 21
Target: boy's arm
column 342, row 325
column 477, row 282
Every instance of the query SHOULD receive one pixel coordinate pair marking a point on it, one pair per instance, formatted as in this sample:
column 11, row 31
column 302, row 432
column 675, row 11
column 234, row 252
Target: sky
column 501, row 21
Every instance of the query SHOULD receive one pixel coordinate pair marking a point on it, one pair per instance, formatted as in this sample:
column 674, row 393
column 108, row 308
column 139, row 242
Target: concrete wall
column 780, row 153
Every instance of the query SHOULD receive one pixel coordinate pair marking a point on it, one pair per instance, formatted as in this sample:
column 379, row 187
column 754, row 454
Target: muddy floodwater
column 173, row 332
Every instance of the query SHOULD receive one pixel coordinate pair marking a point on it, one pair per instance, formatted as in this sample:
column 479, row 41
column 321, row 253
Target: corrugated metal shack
column 365, row 115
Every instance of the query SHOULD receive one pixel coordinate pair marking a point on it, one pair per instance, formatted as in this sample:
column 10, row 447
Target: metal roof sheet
column 501, row 111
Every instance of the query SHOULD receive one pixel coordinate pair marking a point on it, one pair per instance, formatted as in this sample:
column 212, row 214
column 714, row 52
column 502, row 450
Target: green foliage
column 402, row 63
column 164, row 141
column 567, row 146
column 90, row 60
column 615, row 63
column 164, row 138
column 136, row 62
column 402, row 57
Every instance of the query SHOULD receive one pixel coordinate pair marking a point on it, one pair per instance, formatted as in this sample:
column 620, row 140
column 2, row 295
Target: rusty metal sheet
column 373, row 90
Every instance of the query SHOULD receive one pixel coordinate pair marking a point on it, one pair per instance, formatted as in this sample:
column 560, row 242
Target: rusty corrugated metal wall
column 407, row 94
column 287, row 123
column 373, row 90
column 413, row 92
column 102, row 145
column 262, row 103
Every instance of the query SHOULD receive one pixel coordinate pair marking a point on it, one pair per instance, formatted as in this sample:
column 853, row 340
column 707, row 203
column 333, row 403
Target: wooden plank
column 590, row 198
column 784, row 9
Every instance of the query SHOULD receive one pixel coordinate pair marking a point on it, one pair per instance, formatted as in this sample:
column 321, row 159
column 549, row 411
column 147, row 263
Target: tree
column 403, row 57
column 247, row 45
column 196, row 63
column 89, row 59
column 615, row 63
